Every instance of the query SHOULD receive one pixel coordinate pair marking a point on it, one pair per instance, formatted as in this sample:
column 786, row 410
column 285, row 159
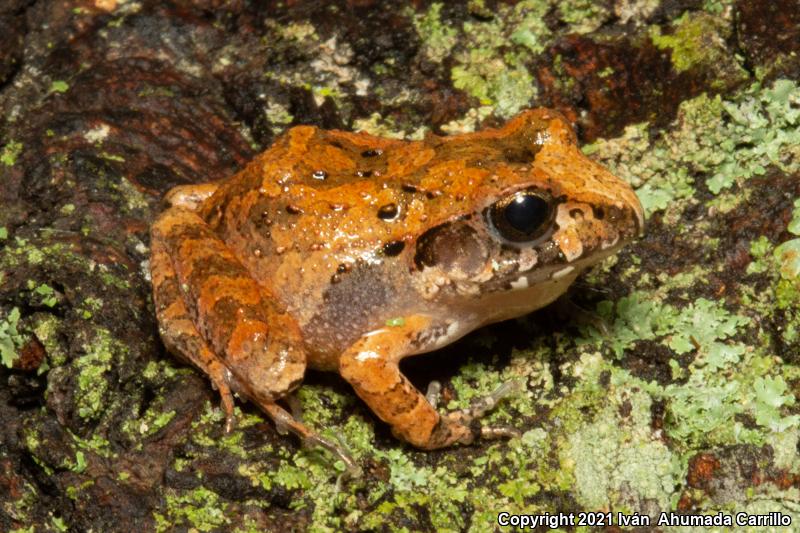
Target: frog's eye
column 521, row 217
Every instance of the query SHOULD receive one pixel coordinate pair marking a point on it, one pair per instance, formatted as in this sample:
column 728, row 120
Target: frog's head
column 533, row 227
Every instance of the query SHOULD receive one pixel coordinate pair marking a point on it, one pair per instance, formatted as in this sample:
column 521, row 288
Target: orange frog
column 346, row 252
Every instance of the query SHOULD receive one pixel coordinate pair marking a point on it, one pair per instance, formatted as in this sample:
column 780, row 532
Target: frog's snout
column 626, row 220
column 634, row 206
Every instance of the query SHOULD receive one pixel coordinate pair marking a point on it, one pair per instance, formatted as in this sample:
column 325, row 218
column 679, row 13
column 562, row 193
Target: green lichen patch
column 492, row 53
column 10, row 152
column 491, row 71
column 643, row 317
column 788, row 253
column 699, row 40
column 616, row 458
column 10, row 338
column 58, row 86
column 726, row 140
column 200, row 510
column 439, row 38
column 101, row 353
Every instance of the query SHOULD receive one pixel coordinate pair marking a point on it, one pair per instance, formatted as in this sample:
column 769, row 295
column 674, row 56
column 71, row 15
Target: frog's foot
column 479, row 408
column 371, row 367
column 284, row 419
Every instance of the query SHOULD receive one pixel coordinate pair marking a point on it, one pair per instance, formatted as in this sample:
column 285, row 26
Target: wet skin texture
column 347, row 252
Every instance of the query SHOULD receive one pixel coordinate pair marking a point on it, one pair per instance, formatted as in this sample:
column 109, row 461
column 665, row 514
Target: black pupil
column 526, row 213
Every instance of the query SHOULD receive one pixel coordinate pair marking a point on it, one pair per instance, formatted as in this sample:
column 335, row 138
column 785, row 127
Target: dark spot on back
column 391, row 249
column 371, row 153
column 387, row 212
column 519, row 154
column 293, row 209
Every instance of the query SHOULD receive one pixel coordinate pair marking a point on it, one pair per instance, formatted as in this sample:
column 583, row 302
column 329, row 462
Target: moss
column 129, row 195
column 95, row 444
column 583, row 16
column 42, row 294
column 697, row 39
column 10, row 152
column 58, row 86
column 278, row 115
column 92, row 368
column 150, row 423
column 80, row 462
column 10, row 338
column 112, row 157
column 488, row 70
column 46, row 328
column 161, row 368
column 200, row 509
column 58, row 524
column 385, row 127
column 437, row 37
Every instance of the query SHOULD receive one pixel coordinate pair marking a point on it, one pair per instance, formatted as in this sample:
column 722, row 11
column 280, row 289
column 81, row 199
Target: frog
column 346, row 252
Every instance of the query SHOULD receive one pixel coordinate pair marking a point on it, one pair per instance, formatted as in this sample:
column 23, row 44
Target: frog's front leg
column 371, row 367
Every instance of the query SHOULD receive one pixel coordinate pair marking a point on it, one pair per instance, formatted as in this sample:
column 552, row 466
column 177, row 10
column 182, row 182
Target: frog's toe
column 352, row 469
column 576, row 314
column 499, row 432
column 434, row 393
column 483, row 405
column 226, row 402
column 295, row 407
column 285, row 421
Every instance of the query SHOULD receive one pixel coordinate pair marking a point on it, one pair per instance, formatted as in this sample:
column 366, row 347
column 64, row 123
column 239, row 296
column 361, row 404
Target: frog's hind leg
column 213, row 313
column 259, row 345
column 178, row 331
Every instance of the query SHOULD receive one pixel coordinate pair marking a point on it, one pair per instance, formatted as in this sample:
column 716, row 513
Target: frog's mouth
column 554, row 272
